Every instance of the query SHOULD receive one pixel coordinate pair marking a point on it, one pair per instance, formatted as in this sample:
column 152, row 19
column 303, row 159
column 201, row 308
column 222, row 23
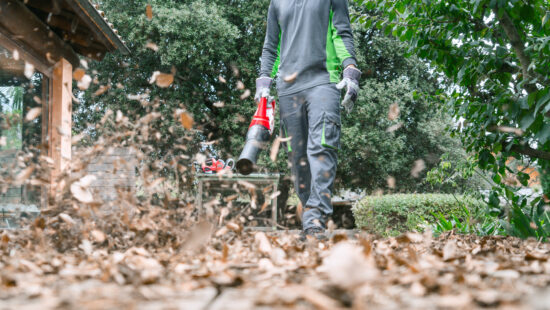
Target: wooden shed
column 42, row 42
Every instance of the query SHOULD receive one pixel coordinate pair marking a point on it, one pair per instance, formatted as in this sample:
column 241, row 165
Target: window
column 23, row 92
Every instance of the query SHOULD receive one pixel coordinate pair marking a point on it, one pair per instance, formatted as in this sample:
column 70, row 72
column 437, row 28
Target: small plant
column 481, row 223
column 391, row 215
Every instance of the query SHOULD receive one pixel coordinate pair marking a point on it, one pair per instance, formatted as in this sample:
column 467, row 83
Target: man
column 307, row 44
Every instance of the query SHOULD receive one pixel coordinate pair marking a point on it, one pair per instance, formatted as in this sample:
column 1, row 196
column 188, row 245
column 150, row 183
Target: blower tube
column 257, row 138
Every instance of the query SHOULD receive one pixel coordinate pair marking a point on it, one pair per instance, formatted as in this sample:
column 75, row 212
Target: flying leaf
column 394, row 127
column 84, row 82
column 149, row 11
column 33, row 113
column 391, row 182
column 152, row 46
column 186, row 120
column 101, row 90
column 246, row 94
column 419, row 166
column 393, row 112
column 240, row 85
column 29, row 70
column 162, row 79
column 291, row 78
column 78, row 74
column 24, row 174
column 67, row 218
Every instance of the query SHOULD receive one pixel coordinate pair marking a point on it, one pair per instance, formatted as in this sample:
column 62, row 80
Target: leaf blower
column 258, row 135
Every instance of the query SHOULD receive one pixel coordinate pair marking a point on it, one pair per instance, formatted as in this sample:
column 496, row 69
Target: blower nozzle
column 257, row 137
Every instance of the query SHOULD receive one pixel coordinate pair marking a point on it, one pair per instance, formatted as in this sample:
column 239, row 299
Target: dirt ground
column 225, row 268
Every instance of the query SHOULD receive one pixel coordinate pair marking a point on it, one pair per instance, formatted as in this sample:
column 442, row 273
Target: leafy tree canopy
column 496, row 54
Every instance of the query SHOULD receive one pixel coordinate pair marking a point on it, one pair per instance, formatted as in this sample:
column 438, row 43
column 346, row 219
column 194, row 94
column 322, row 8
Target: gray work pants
column 312, row 119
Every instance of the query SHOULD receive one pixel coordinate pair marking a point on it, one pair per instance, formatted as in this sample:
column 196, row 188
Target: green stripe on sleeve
column 334, row 60
column 341, row 50
column 278, row 59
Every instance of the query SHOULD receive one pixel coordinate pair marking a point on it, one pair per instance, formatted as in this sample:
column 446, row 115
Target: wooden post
column 60, row 121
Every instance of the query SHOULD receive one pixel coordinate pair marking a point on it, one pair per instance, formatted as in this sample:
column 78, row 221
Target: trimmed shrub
column 391, row 215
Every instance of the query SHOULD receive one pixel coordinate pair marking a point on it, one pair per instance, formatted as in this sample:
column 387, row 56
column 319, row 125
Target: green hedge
column 391, row 215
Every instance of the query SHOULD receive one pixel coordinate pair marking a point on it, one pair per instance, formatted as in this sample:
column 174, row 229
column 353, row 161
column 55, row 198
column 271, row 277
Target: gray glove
column 262, row 87
column 350, row 80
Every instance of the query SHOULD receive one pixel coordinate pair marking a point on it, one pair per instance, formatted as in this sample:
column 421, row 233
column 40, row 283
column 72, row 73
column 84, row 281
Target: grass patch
column 391, row 215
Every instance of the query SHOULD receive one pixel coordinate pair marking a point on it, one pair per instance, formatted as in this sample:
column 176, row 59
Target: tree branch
column 517, row 44
column 529, row 151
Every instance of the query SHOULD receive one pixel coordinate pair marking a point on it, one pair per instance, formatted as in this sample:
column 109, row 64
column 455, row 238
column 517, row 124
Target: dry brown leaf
column 393, row 112
column 29, row 70
column 101, row 90
column 245, row 94
column 263, row 244
column 33, row 113
column 78, row 74
column 506, row 129
column 391, row 182
column 80, row 190
column 234, row 227
column 450, row 250
column 275, row 149
column 240, row 85
column 394, row 127
column 162, row 80
column 347, row 267
column 186, row 120
column 291, row 78
column 152, row 46
column 67, row 218
column 419, row 166
column 84, row 82
column 98, row 236
column 24, row 175
column 149, row 11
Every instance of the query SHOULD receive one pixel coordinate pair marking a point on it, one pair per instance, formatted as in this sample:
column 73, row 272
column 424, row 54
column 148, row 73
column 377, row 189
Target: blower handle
column 260, row 117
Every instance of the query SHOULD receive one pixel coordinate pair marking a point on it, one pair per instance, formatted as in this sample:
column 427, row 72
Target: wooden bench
column 226, row 180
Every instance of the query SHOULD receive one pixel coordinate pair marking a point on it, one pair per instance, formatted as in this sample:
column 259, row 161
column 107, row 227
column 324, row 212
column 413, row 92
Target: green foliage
column 457, row 174
column 371, row 153
column 211, row 47
column 477, row 221
column 545, row 178
column 394, row 214
column 496, row 56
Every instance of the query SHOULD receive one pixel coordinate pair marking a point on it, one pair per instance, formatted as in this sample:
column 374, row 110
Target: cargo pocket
column 330, row 132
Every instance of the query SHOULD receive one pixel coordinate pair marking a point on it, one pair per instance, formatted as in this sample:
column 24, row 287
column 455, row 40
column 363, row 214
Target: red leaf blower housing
column 258, row 135
column 213, row 165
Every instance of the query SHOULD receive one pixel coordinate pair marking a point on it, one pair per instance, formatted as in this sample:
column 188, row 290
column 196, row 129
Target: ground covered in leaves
column 66, row 263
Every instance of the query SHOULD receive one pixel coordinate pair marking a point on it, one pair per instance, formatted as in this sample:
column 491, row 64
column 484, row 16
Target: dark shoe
column 315, row 232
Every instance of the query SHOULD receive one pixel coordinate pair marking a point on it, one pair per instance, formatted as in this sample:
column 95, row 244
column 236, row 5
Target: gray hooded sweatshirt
column 308, row 39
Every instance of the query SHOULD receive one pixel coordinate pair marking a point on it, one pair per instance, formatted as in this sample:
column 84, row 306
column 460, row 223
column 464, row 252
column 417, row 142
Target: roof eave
column 88, row 13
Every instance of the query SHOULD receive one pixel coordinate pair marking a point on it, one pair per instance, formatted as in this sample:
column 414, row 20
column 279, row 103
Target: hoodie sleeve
column 343, row 37
column 271, row 49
